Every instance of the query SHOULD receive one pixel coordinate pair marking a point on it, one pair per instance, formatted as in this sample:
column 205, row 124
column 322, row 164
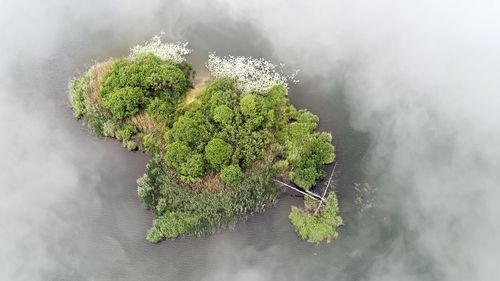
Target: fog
column 416, row 82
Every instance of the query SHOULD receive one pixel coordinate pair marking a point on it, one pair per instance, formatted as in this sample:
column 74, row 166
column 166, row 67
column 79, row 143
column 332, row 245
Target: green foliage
column 223, row 114
column 316, row 228
column 192, row 130
column 232, row 174
column 126, row 132
column 177, row 154
column 161, row 110
column 193, row 168
column 218, row 153
column 190, row 166
column 124, row 102
column 306, row 150
column 78, row 90
column 173, row 224
column 280, row 166
column 182, row 211
column 248, row 105
column 109, row 128
column 148, row 73
column 148, row 144
column 221, row 84
column 131, row 145
column 186, row 68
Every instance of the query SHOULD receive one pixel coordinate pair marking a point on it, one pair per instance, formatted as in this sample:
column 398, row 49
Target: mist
column 410, row 91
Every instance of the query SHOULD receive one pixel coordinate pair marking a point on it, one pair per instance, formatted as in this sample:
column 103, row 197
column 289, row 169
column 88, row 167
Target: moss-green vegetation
column 317, row 225
column 214, row 151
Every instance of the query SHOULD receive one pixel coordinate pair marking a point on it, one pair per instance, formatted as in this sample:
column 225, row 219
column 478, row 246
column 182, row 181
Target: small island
column 215, row 148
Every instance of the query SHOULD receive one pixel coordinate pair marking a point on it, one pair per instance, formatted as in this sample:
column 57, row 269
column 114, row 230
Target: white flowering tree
column 172, row 52
column 250, row 74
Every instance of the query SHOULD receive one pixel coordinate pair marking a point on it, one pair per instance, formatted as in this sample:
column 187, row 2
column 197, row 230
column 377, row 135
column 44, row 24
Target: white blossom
column 250, row 74
column 172, row 52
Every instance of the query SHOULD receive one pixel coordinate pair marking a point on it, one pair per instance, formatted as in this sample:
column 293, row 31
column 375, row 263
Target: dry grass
column 192, row 96
column 143, row 122
column 210, row 183
column 96, row 75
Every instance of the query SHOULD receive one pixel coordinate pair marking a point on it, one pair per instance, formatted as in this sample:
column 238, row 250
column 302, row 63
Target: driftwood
column 304, row 192
column 326, row 188
column 309, row 193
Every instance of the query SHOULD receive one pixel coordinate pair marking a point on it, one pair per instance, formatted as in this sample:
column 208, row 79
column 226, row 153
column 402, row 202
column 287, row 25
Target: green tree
column 192, row 130
column 232, row 175
column 148, row 73
column 317, row 227
column 177, row 154
column 218, row 153
column 223, row 114
column 124, row 102
column 248, row 105
column 193, row 168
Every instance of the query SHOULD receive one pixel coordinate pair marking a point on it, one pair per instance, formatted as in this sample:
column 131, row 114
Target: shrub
column 182, row 211
column 248, row 105
column 193, row 168
column 147, row 72
column 78, row 90
column 109, row 128
column 305, row 178
column 161, row 110
column 124, row 102
column 316, row 228
column 218, row 153
column 173, row 224
column 177, row 154
column 148, row 144
column 220, row 84
column 125, row 132
column 280, row 166
column 131, row 145
column 94, row 120
column 232, row 174
column 192, row 130
column 223, row 114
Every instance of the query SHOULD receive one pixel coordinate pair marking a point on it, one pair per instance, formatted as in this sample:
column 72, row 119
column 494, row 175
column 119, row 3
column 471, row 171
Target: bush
column 192, row 130
column 316, row 228
column 177, row 154
column 109, row 128
column 218, row 153
column 124, row 102
column 78, row 90
column 172, row 225
column 131, row 145
column 183, row 211
column 192, row 169
column 161, row 110
column 223, row 114
column 148, row 144
column 248, row 105
column 149, row 73
column 232, row 175
column 125, row 132
column 280, row 166
column 221, row 84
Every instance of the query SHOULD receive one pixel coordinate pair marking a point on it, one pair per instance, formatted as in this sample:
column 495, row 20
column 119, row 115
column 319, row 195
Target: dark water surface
column 96, row 229
column 418, row 78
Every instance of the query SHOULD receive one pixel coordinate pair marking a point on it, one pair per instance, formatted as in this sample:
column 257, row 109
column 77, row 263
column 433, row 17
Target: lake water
column 78, row 214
